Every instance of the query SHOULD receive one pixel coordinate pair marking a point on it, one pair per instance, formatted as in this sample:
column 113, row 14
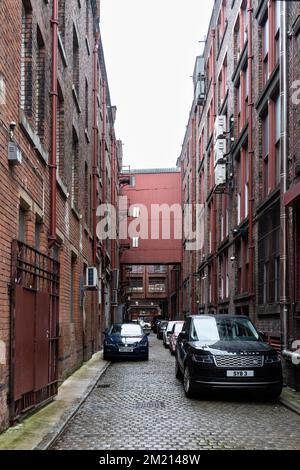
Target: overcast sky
column 150, row 48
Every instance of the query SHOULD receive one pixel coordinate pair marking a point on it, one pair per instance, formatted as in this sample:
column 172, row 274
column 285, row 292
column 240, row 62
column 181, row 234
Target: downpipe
column 284, row 303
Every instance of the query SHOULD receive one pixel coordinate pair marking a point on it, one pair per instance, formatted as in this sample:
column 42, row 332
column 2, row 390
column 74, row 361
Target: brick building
column 240, row 161
column 59, row 159
column 151, row 258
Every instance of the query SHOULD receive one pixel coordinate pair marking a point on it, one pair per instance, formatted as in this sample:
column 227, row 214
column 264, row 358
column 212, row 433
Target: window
column 75, row 163
column 72, row 287
column 238, row 190
column 21, row 235
column 246, row 190
column 157, row 285
column 277, row 138
column 87, row 18
column 60, row 141
column 40, row 87
column 26, row 60
column 37, row 235
column 86, row 104
column 136, row 284
column 221, row 24
column 86, row 193
column 135, row 242
column 75, row 61
column 265, row 40
column 62, row 19
column 277, row 31
column 269, row 256
column 265, row 150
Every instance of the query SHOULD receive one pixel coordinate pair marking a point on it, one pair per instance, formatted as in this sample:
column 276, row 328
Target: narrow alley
column 141, row 405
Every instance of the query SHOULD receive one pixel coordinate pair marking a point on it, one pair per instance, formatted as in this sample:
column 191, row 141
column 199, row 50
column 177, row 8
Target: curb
column 51, row 437
column 289, row 405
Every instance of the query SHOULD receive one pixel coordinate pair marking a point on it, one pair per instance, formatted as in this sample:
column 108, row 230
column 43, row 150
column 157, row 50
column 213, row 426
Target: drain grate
column 103, row 386
column 150, row 405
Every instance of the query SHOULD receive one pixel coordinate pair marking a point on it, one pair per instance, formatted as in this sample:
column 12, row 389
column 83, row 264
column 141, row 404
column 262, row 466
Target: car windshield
column 163, row 324
column 170, row 325
column 223, row 329
column 177, row 327
column 126, row 330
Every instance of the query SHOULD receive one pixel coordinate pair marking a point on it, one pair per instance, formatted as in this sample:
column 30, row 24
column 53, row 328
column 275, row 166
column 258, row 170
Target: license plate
column 240, row 373
column 126, row 350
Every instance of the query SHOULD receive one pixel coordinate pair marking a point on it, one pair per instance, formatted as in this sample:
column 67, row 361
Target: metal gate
column 34, row 329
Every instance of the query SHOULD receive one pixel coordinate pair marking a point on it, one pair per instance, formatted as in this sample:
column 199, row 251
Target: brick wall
column 27, row 101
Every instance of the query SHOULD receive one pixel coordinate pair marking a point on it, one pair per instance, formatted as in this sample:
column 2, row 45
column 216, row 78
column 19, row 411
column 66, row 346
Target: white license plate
column 240, row 373
column 126, row 350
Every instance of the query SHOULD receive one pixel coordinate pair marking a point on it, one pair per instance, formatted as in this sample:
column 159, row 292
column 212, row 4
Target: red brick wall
column 28, row 183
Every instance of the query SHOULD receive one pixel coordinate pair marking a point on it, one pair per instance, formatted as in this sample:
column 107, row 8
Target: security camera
column 12, row 125
column 232, row 258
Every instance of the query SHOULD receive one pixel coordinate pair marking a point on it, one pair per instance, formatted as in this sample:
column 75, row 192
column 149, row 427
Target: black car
column 216, row 352
column 160, row 329
column 125, row 340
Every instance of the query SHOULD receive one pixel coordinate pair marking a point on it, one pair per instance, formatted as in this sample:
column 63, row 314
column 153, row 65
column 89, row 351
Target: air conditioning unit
column 114, row 298
column 14, row 153
column 219, row 150
column 220, row 174
column 92, row 280
column 220, row 127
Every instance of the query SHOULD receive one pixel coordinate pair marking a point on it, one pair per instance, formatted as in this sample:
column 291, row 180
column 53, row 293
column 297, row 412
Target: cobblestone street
column 140, row 405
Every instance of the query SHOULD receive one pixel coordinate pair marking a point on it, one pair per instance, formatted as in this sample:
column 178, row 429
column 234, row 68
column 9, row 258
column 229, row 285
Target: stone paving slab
column 40, row 429
column 141, row 405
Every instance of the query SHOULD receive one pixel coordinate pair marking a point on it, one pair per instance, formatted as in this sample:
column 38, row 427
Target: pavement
column 39, row 430
column 96, row 402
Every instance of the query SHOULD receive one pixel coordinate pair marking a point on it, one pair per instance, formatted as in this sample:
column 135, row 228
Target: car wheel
column 165, row 345
column 178, row 373
column 189, row 388
column 105, row 356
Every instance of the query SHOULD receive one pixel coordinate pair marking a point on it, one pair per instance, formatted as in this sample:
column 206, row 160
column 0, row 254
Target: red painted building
column 151, row 257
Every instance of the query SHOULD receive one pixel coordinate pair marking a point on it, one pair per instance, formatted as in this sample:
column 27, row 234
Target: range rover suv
column 226, row 352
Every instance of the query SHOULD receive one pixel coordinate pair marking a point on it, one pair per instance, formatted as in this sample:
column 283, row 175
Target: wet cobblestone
column 141, row 405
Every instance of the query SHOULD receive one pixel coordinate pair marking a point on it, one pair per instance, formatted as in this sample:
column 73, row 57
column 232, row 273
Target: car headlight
column 203, row 359
column 272, row 359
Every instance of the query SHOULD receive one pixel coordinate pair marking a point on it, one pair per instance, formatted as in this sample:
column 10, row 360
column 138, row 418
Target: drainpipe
column 250, row 151
column 54, row 94
column 103, row 156
column 214, row 197
column 95, row 147
column 284, row 301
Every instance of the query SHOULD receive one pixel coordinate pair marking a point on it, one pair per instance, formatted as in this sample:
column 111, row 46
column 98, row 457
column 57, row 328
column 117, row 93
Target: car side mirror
column 105, row 332
column 182, row 335
column 263, row 336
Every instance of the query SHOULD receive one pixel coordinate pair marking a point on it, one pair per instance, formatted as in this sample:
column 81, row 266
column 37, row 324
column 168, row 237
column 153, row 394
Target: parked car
column 226, row 352
column 160, row 329
column 174, row 335
column 156, row 321
column 126, row 340
column 146, row 326
column 167, row 333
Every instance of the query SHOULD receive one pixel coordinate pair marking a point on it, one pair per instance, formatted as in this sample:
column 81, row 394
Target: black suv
column 226, row 352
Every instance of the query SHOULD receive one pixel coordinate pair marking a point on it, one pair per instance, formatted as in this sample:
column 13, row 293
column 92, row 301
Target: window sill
column 269, row 88
column 62, row 50
column 62, row 186
column 76, row 211
column 33, row 138
column 87, row 45
column 75, row 96
column 86, row 133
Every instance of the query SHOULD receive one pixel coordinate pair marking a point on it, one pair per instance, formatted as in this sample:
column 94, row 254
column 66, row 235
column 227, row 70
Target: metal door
column 34, row 329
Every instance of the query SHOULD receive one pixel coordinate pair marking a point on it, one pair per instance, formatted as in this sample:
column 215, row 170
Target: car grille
column 239, row 361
